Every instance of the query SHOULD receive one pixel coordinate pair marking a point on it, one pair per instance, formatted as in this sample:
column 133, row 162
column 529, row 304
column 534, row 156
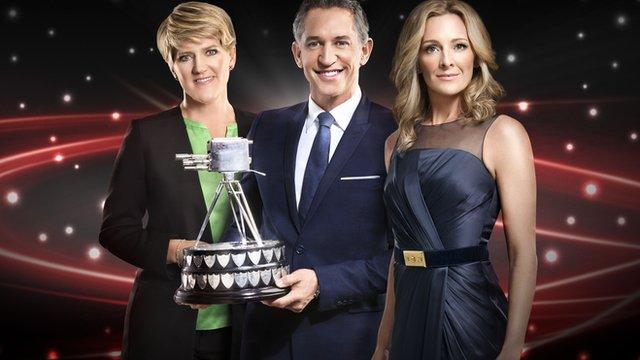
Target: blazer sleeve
column 345, row 283
column 122, row 231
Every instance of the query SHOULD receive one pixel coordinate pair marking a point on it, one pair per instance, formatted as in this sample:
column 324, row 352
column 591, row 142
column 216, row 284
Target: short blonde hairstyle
column 411, row 105
column 193, row 21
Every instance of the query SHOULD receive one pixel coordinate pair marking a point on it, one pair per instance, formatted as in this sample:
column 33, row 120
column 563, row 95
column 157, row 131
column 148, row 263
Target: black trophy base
column 227, row 297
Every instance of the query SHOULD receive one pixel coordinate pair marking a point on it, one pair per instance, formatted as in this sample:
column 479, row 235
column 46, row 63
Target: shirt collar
column 341, row 113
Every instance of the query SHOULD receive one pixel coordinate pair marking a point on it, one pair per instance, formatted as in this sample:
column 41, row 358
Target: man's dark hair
column 359, row 18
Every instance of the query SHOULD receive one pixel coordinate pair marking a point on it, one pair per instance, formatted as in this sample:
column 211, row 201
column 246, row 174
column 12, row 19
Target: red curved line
column 586, row 276
column 47, row 118
column 65, row 268
column 67, row 295
column 580, row 238
column 571, row 101
column 582, row 171
column 51, row 150
column 34, row 158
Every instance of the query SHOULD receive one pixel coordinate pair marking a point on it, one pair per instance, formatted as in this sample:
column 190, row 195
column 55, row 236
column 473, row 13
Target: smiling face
column 330, row 55
column 446, row 59
column 202, row 67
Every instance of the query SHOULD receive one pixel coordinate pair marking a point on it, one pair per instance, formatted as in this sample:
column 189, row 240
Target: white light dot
column 621, row 20
column 76, row 166
column 14, row 58
column 58, row 158
column 53, row 138
column 569, row 147
column 551, row 256
column 511, row 58
column 591, row 189
column 621, row 220
column 523, row 106
column 66, row 98
column 633, row 136
column 615, row 64
column 151, row 49
column 401, row 16
column 580, row 35
column 22, row 106
column 42, row 237
column 12, row 13
column 94, row 253
column 593, row 112
column 585, row 86
column 51, row 32
column 115, row 115
column 571, row 220
column 69, row 230
column 132, row 50
column 88, row 78
column 12, row 197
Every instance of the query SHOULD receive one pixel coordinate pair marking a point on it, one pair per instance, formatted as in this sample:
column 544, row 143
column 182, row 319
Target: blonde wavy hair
column 411, row 105
column 192, row 21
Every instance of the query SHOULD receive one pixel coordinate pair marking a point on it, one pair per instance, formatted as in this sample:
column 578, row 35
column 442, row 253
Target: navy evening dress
column 442, row 203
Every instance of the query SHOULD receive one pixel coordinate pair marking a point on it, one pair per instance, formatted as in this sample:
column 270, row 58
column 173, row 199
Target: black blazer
column 152, row 199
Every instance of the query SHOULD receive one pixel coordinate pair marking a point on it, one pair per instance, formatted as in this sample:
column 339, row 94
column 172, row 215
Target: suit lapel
column 350, row 140
column 191, row 188
column 294, row 129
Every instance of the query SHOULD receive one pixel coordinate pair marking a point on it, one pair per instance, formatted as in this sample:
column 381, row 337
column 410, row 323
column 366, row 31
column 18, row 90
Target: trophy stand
column 230, row 272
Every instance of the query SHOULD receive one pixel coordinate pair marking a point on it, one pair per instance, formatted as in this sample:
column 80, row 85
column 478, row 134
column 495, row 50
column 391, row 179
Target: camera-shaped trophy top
column 236, row 271
column 225, row 155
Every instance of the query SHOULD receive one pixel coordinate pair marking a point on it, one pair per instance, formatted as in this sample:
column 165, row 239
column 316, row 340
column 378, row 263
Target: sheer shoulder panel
column 467, row 135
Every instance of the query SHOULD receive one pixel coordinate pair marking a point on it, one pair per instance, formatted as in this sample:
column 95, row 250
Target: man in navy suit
column 322, row 196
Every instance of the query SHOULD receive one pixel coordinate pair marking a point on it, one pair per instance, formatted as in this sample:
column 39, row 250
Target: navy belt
column 441, row 258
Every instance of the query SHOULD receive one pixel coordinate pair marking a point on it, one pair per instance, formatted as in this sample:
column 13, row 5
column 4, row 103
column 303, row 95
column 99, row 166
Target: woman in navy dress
column 453, row 165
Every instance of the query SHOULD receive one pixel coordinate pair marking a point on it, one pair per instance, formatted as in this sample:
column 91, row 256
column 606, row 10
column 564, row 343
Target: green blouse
column 215, row 316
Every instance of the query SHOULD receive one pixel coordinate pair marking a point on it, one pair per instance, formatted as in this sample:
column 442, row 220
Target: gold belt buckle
column 414, row 258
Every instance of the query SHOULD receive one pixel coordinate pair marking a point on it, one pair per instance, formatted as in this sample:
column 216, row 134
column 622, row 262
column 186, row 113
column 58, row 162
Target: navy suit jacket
column 345, row 238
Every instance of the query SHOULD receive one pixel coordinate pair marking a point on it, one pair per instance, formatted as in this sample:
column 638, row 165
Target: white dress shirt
column 342, row 115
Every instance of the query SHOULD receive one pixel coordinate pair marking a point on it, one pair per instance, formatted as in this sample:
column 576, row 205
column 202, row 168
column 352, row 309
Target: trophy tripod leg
column 237, row 217
column 210, row 210
column 244, row 211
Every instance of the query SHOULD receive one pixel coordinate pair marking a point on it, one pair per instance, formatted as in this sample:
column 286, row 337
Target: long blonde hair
column 411, row 105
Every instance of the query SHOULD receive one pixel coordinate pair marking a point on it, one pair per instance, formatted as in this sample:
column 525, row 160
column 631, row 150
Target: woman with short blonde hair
column 453, row 166
column 198, row 43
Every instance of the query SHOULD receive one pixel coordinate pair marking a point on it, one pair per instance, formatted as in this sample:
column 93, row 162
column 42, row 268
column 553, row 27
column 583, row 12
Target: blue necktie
column 316, row 165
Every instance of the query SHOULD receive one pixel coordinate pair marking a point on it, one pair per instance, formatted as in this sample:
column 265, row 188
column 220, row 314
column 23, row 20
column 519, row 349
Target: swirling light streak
column 584, row 325
column 67, row 295
column 65, row 268
column 578, row 300
column 582, row 171
column 586, row 276
column 580, row 238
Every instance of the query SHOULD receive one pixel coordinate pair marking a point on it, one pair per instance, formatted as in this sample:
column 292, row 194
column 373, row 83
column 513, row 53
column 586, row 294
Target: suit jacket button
column 299, row 249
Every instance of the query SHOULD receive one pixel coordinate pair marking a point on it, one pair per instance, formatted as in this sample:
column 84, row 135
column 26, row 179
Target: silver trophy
column 230, row 272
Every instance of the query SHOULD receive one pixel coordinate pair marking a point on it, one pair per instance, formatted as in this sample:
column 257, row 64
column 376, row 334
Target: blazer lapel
column 294, row 129
column 191, row 189
column 348, row 143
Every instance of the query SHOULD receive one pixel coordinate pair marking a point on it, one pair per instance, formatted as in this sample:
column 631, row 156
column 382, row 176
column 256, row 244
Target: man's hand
column 304, row 285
